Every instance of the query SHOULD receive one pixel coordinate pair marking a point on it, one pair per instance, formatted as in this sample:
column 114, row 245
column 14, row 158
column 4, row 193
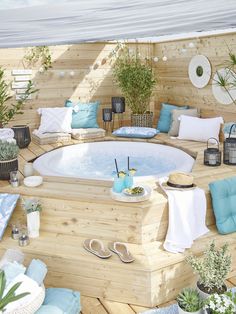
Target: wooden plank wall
column 93, row 77
column 92, row 80
column 174, row 85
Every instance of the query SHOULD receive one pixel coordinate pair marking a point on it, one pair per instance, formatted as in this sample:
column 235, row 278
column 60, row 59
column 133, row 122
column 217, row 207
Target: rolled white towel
column 6, row 134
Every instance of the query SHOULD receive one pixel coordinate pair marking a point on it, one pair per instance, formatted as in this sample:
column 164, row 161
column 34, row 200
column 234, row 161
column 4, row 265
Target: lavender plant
column 212, row 269
column 8, row 151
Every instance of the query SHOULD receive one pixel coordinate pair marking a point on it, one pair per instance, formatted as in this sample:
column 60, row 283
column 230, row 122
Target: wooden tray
column 121, row 197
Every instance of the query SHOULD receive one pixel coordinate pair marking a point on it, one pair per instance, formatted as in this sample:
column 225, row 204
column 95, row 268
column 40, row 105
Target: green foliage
column 189, row 300
column 213, row 267
column 8, row 151
column 135, row 78
column 31, row 205
column 10, row 296
column 7, row 112
column 40, row 54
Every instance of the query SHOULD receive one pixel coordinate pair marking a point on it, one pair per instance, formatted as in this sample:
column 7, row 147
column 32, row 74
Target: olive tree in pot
column 189, row 301
column 212, row 269
column 8, row 159
column 135, row 77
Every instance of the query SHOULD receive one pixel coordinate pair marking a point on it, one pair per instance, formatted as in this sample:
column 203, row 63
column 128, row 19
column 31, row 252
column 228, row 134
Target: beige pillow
column 174, row 128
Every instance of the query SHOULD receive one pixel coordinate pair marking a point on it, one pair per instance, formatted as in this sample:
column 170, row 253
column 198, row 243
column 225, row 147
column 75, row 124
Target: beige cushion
column 82, row 134
column 174, row 128
column 50, row 138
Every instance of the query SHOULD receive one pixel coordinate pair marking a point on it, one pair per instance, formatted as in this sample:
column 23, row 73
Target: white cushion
column 55, row 120
column 87, row 133
column 197, row 129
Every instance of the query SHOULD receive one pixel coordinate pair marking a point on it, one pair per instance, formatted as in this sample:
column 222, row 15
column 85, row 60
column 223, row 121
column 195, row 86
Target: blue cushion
column 84, row 115
column 49, row 309
column 223, row 194
column 7, row 206
column 37, row 271
column 67, row 300
column 136, row 132
column 164, row 122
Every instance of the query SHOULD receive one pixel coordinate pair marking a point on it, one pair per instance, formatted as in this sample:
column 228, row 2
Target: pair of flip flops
column 97, row 248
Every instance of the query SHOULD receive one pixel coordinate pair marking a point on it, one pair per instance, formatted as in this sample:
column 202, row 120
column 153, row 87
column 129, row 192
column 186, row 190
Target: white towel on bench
column 6, row 134
column 187, row 214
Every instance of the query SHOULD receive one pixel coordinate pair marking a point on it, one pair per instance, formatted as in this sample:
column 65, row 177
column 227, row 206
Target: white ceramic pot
column 33, row 224
column 203, row 294
column 181, row 311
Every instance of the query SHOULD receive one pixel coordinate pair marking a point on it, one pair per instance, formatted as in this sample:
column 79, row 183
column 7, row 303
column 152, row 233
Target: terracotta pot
column 181, row 311
column 6, row 167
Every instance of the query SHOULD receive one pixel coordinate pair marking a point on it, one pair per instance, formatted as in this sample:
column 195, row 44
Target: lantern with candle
column 212, row 155
column 230, row 148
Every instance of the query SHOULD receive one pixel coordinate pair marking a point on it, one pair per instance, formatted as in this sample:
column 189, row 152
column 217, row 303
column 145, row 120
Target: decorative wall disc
column 199, row 71
column 220, row 93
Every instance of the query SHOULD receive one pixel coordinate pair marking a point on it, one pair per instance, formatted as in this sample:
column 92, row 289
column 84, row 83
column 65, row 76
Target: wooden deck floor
column 99, row 306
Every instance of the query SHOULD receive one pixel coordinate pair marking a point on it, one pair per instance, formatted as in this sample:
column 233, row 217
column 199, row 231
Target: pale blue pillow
column 135, row 132
column 84, row 115
column 164, row 121
column 49, row 309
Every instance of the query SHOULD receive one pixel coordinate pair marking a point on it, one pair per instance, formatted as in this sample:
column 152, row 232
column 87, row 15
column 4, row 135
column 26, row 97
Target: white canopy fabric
column 68, row 21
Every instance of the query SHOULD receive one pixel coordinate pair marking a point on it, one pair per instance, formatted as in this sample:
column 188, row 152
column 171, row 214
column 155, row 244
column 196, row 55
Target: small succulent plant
column 189, row 300
column 8, row 151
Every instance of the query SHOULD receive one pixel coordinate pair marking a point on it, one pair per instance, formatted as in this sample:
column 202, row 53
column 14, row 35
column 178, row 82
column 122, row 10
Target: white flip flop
column 97, row 248
column 122, row 251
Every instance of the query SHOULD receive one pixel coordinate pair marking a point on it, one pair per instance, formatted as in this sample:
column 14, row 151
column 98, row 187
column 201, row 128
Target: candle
column 28, row 169
column 14, row 179
column 232, row 155
column 212, row 159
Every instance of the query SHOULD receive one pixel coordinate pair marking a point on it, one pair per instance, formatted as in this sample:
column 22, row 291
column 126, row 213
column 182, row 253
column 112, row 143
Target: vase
column 33, row 224
column 6, row 167
column 22, row 135
column 142, row 120
column 181, row 311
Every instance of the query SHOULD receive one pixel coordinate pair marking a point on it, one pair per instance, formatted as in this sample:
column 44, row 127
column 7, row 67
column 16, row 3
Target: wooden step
column 154, row 278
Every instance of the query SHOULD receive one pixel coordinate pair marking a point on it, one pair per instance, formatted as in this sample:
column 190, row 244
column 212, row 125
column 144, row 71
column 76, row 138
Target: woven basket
column 143, row 120
column 6, row 167
column 32, row 307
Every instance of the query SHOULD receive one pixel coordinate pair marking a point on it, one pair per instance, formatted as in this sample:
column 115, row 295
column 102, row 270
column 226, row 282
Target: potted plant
column 189, row 301
column 10, row 296
column 7, row 111
column 8, row 159
column 136, row 80
column 221, row 303
column 33, row 209
column 212, row 269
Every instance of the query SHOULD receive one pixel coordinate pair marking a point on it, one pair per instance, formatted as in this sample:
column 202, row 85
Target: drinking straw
column 117, row 171
column 128, row 162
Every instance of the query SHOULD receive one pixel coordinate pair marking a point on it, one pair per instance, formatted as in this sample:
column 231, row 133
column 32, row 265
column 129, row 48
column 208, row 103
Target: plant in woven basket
column 189, row 300
column 8, row 111
column 212, row 269
column 10, row 296
column 136, row 79
column 8, row 151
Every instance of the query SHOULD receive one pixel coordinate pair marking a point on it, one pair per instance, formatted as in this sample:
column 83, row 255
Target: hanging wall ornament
column 225, row 96
column 199, row 71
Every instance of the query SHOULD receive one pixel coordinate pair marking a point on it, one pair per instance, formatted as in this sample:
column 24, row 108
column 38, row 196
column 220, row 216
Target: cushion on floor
column 90, row 133
column 49, row 309
column 136, row 132
column 50, row 138
column 223, row 193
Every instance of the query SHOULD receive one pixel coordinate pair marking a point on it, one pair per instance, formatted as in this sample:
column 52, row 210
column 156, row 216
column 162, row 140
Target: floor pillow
column 50, row 138
column 135, row 132
column 223, row 193
column 90, row 133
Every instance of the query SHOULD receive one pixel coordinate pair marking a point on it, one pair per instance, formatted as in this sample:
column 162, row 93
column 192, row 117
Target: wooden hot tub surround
column 75, row 209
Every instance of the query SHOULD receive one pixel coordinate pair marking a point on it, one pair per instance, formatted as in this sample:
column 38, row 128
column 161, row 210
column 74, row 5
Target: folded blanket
column 37, row 271
column 187, row 213
column 6, row 134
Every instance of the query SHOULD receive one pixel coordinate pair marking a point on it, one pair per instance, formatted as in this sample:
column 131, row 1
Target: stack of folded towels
column 56, row 301
column 7, row 135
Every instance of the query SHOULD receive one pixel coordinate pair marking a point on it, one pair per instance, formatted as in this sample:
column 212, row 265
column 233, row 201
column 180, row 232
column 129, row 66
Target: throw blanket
column 187, row 212
column 6, row 134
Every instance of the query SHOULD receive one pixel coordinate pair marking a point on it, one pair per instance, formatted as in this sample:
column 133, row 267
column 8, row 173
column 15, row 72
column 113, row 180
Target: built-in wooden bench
column 75, row 209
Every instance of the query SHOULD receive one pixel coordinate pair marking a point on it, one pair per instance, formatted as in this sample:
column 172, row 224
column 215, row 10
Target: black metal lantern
column 22, row 135
column 107, row 115
column 230, row 149
column 118, row 104
column 212, row 155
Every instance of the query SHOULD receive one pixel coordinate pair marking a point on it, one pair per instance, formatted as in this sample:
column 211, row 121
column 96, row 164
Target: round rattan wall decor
column 199, row 71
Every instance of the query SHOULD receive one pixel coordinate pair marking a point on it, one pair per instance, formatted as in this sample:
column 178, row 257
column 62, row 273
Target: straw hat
column 179, row 181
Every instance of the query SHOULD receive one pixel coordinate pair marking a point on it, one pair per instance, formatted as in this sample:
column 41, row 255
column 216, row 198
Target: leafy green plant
column 135, row 78
column 223, row 303
column 8, row 151
column 189, row 300
column 10, row 295
column 31, row 205
column 212, row 268
column 39, row 54
column 7, row 112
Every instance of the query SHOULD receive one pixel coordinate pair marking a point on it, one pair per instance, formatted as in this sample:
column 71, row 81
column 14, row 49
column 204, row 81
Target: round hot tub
column 96, row 160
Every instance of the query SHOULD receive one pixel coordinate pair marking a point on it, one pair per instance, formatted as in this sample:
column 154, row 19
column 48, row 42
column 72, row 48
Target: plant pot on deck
column 181, row 311
column 142, row 120
column 6, row 167
column 204, row 295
